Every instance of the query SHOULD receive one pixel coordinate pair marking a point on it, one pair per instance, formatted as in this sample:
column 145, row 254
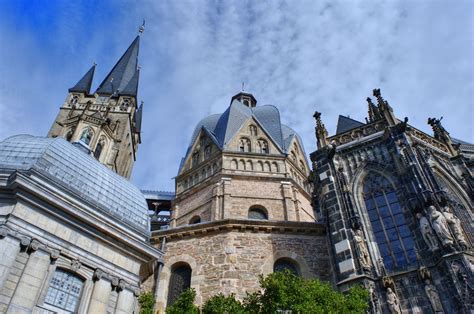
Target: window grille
column 64, row 291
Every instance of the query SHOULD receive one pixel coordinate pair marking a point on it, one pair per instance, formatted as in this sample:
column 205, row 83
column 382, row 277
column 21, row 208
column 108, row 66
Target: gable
column 203, row 147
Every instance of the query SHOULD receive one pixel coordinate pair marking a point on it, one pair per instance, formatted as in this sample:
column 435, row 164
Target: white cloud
column 299, row 55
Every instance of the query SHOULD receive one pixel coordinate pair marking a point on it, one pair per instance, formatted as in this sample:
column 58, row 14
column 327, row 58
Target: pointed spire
column 123, row 73
column 85, row 83
column 321, row 132
column 132, row 87
column 374, row 112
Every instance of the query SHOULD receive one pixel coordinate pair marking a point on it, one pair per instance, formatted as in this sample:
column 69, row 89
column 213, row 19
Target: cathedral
column 379, row 204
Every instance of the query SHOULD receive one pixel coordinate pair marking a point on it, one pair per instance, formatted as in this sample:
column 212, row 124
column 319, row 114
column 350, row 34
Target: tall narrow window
column 253, row 130
column 207, row 151
column 263, row 146
column 391, row 232
column 64, row 291
column 180, row 280
column 99, row 148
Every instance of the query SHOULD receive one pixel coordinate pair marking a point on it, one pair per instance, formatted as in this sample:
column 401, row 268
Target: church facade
column 380, row 204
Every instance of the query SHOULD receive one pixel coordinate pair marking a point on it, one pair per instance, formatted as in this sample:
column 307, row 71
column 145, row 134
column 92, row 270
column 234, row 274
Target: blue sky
column 301, row 56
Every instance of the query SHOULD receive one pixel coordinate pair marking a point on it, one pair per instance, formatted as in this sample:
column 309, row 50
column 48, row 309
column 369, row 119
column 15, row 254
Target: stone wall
column 230, row 261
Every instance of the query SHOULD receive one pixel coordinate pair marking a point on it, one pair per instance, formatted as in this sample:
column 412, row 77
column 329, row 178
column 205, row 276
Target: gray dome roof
column 223, row 127
column 79, row 174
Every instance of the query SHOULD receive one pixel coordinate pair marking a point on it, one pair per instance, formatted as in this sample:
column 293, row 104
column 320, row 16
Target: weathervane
column 141, row 29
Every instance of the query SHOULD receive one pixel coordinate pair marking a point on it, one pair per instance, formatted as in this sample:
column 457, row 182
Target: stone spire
column 320, row 129
column 384, row 107
column 123, row 78
column 374, row 112
column 85, row 83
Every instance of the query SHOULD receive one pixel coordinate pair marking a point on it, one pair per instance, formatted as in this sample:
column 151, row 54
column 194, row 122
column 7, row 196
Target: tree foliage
column 184, row 304
column 281, row 292
column 146, row 301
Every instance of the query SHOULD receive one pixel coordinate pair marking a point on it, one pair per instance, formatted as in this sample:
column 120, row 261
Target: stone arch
column 195, row 220
column 166, row 274
column 233, row 164
column 267, row 167
column 258, row 212
column 259, row 166
column 249, row 165
column 275, row 167
column 287, row 263
column 268, row 264
column 241, row 165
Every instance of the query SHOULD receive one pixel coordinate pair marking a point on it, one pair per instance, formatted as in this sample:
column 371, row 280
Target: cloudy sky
column 301, row 56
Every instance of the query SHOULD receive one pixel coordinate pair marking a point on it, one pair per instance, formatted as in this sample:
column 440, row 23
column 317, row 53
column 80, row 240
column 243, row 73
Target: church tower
column 107, row 122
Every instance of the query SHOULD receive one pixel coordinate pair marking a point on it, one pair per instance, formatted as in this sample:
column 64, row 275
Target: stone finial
column 373, row 111
column 384, row 108
column 440, row 133
column 320, row 130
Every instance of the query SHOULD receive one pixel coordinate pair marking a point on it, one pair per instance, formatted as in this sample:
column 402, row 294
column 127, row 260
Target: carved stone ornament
column 424, row 273
column 25, row 241
column 440, row 226
column 75, row 265
column 433, row 296
column 98, row 274
column 136, row 291
column 3, row 232
column 35, row 245
column 122, row 284
column 54, row 254
column 114, row 281
column 427, row 233
column 393, row 302
column 388, row 282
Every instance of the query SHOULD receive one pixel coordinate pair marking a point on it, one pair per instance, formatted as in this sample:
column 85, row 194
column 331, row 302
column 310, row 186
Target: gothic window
column 64, row 291
column 253, row 130
column 180, row 280
column 214, row 168
column 195, row 159
column 99, row 148
column 244, row 145
column 86, row 136
column 207, row 151
column 263, row 146
column 258, row 212
column 283, row 264
column 390, row 229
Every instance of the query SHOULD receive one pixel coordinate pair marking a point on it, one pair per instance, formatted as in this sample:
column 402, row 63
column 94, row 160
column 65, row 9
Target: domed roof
column 78, row 173
column 221, row 128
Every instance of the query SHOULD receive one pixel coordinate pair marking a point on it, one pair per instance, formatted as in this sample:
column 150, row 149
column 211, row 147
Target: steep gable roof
column 345, row 124
column 85, row 83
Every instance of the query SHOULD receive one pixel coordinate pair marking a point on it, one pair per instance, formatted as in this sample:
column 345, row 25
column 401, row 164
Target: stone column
column 125, row 300
column 28, row 289
column 288, row 203
column 9, row 248
column 226, row 198
column 215, row 202
column 100, row 293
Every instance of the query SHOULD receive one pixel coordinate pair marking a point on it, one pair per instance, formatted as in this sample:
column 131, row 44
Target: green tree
column 146, row 301
column 220, row 304
column 184, row 304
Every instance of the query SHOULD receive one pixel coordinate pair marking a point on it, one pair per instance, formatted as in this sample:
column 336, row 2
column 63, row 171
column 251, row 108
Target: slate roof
column 345, row 124
column 79, row 174
column 124, row 75
column 85, row 83
column 221, row 128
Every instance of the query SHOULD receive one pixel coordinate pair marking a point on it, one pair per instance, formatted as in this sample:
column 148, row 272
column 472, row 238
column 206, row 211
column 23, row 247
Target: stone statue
column 393, row 302
column 455, row 225
column 427, row 233
column 364, row 257
column 440, row 226
column 433, row 296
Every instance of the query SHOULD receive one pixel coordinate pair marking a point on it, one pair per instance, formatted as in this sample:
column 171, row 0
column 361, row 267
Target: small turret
column 320, row 130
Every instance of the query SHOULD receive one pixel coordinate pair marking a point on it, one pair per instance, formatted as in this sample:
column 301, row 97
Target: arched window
column 180, row 280
column 275, row 167
column 195, row 220
column 253, row 130
column 74, row 99
column 207, row 151
column 244, row 145
column 86, row 136
column 390, row 229
column 258, row 212
column 64, row 291
column 242, row 164
column 249, row 165
column 283, row 264
column 266, row 166
column 99, row 148
column 195, row 159
column 262, row 146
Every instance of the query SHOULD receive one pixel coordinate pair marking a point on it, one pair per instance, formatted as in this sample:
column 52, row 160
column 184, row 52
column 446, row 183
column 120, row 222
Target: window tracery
column 263, row 146
column 86, row 136
column 390, row 229
column 253, row 130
